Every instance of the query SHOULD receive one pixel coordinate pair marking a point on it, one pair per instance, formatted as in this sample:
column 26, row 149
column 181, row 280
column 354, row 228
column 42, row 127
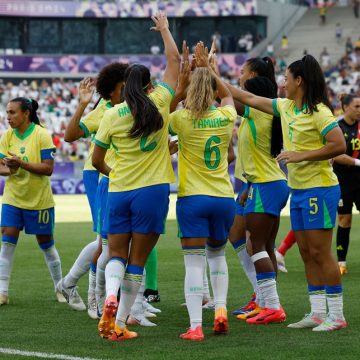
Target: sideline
column 42, row 355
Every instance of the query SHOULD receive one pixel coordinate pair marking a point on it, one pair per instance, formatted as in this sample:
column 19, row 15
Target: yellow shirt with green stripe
column 90, row 124
column 142, row 161
column 203, row 151
column 305, row 132
column 254, row 161
column 24, row 189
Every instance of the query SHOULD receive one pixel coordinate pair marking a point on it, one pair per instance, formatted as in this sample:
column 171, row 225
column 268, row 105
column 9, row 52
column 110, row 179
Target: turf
column 34, row 321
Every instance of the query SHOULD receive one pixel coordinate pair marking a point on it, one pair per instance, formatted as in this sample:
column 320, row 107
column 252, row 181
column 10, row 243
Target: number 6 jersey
column 203, row 151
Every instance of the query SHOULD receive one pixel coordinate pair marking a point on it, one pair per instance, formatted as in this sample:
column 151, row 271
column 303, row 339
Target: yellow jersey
column 304, row 132
column 90, row 125
column 254, row 161
column 24, row 189
column 203, row 151
column 139, row 162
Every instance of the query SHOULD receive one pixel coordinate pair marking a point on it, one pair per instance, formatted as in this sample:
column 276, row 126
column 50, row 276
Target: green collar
column 27, row 132
column 212, row 107
column 297, row 112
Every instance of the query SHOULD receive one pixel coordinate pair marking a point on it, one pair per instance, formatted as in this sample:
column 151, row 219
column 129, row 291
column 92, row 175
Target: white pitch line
column 42, row 355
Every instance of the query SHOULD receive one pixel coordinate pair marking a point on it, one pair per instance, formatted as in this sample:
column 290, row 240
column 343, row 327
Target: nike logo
column 312, row 220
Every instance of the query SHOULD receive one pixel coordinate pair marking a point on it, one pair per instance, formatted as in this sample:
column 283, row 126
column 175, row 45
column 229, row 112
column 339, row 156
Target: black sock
column 342, row 242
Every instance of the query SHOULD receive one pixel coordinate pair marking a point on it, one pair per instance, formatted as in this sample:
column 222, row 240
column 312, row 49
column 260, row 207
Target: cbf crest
column 22, row 150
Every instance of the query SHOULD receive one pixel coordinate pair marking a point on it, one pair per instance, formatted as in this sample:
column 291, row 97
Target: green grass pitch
column 34, row 321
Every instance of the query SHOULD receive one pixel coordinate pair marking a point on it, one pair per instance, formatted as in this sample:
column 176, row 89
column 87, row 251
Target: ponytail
column 262, row 86
column 315, row 89
column 263, row 67
column 346, row 99
column 147, row 118
column 29, row 105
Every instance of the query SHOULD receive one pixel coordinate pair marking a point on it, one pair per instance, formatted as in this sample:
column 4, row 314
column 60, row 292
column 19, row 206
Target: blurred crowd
column 58, row 99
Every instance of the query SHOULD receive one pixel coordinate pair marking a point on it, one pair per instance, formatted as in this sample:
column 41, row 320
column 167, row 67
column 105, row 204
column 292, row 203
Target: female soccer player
column 27, row 158
column 109, row 85
column 272, row 131
column 205, row 207
column 347, row 169
column 138, row 196
column 311, row 138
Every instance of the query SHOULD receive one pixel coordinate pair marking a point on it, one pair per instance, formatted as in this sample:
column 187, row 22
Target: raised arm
column 171, row 51
column 86, row 90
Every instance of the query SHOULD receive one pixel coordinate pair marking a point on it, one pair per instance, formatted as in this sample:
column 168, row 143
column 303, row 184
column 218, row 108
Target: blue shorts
column 239, row 207
column 91, row 181
column 202, row 216
column 141, row 210
column 314, row 208
column 36, row 222
column 267, row 198
column 100, row 204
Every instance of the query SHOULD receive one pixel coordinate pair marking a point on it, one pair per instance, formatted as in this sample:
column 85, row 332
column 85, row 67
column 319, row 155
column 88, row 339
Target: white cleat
column 331, row 323
column 60, row 297
column 210, row 305
column 280, row 259
column 311, row 320
column 72, row 296
column 92, row 308
column 4, row 299
column 149, row 314
column 149, row 308
column 139, row 319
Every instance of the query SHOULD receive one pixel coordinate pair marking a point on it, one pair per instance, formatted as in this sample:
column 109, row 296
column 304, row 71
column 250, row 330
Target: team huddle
column 127, row 179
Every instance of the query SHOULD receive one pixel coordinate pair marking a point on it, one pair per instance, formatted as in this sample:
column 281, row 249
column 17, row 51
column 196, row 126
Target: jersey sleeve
column 162, row 95
column 47, row 147
column 90, row 123
column 229, row 112
column 325, row 121
column 4, row 145
column 103, row 135
column 174, row 123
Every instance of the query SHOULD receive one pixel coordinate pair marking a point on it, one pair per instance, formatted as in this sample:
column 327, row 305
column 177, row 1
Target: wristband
column 356, row 162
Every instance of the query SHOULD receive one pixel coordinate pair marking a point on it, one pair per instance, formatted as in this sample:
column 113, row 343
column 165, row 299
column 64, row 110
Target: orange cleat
column 122, row 334
column 267, row 316
column 221, row 324
column 107, row 321
column 250, row 313
column 193, row 334
column 343, row 269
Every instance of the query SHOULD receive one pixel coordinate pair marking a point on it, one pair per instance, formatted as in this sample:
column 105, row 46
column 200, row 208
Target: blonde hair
column 200, row 94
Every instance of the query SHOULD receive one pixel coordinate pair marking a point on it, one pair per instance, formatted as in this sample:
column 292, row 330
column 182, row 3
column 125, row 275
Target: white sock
column 92, row 279
column 259, row 299
column 129, row 290
column 206, row 296
column 100, row 271
column 219, row 275
column 317, row 299
column 195, row 263
column 53, row 263
column 267, row 287
column 6, row 261
column 334, row 298
column 137, row 307
column 81, row 265
column 248, row 266
column 114, row 274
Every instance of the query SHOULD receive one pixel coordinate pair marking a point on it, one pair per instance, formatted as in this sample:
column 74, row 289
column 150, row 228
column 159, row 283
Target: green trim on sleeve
column 101, row 144
column 246, row 111
column 2, row 156
column 274, row 106
column 329, row 128
column 83, row 127
column 166, row 86
column 171, row 131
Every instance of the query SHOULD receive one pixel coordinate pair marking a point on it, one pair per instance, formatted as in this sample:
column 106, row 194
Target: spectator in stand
column 349, row 46
column 285, row 45
column 338, row 32
column 324, row 59
column 356, row 4
column 270, row 49
column 322, row 13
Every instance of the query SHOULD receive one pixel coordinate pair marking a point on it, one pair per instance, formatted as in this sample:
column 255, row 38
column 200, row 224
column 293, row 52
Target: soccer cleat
column 122, row 334
column 107, row 321
column 92, row 308
column 309, row 321
column 151, row 295
column 251, row 305
column 280, row 259
column 139, row 319
column 149, row 308
column 149, row 314
column 193, row 334
column 330, row 324
column 221, row 325
column 60, row 297
column 251, row 313
column 210, row 305
column 267, row 316
column 71, row 295
column 100, row 306
column 4, row 299
column 343, row 269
